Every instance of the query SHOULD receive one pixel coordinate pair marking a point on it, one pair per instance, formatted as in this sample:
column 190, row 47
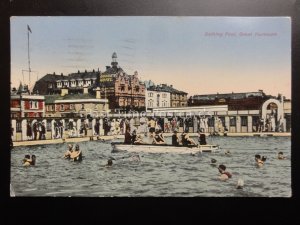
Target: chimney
column 64, row 91
column 98, row 94
column 171, row 85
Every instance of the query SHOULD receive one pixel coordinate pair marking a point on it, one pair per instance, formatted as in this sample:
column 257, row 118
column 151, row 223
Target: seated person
column 224, row 174
column 76, row 155
column 128, row 137
column 139, row 140
column 68, row 152
column 202, row 138
column 175, row 139
column 281, row 156
column 136, row 139
column 29, row 161
column 186, row 140
column 158, row 138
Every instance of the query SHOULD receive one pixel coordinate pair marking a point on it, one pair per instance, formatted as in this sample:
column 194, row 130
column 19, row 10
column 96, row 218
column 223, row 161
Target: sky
column 198, row 55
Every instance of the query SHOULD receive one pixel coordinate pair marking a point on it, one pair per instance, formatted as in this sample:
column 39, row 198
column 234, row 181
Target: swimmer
column 224, row 174
column 240, row 183
column 68, row 152
column 213, row 162
column 281, row 156
column 26, row 160
column 228, row 153
column 135, row 158
column 260, row 161
column 109, row 163
column 29, row 161
column 77, row 154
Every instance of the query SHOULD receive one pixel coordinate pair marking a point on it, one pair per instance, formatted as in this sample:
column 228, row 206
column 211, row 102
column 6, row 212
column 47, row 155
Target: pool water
column 161, row 174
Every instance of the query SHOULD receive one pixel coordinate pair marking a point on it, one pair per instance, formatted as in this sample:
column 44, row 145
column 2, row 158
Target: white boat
column 163, row 148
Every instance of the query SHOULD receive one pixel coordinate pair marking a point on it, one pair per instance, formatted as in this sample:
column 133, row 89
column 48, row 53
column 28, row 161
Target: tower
column 114, row 62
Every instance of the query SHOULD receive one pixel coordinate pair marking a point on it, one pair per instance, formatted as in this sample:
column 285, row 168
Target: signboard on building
column 106, row 78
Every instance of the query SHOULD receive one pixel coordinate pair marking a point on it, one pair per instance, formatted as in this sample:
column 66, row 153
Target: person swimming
column 76, row 155
column 109, row 163
column 227, row 152
column 213, row 162
column 281, row 156
column 29, row 161
column 224, row 174
column 135, row 158
column 260, row 161
column 68, row 152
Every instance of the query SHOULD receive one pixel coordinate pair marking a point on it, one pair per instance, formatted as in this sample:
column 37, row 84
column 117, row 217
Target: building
column 23, row 104
column 70, row 105
column 157, row 97
column 52, row 83
column 164, row 95
column 247, row 110
column 123, row 91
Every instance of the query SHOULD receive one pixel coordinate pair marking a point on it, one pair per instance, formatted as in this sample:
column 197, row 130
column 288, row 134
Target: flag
column 28, row 28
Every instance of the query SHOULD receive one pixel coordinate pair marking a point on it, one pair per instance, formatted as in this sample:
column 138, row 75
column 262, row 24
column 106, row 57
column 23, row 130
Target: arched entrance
column 272, row 113
column 272, row 107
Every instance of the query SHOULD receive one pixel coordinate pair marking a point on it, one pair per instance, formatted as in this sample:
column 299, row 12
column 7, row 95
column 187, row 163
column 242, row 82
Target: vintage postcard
column 150, row 106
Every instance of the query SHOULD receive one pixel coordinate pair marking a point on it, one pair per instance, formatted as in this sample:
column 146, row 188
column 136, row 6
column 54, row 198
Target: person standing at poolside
column 151, row 125
column 175, row 139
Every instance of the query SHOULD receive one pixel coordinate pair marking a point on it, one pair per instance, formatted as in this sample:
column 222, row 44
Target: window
column 71, row 106
column 82, row 106
column 122, row 88
column 244, row 121
column 50, row 85
column 62, row 108
column 33, row 104
column 232, row 121
column 137, row 88
column 59, row 84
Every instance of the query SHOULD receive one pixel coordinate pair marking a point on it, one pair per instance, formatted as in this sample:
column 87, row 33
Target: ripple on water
column 156, row 174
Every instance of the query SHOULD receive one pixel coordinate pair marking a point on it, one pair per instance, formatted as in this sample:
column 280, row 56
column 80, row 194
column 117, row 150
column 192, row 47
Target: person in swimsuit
column 202, row 138
column 29, row 161
column 281, row 156
column 68, row 152
column 158, row 139
column 224, row 174
column 186, row 140
column 175, row 139
column 76, row 155
column 260, row 161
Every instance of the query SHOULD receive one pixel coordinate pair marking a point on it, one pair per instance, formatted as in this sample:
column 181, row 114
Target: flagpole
column 28, row 56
